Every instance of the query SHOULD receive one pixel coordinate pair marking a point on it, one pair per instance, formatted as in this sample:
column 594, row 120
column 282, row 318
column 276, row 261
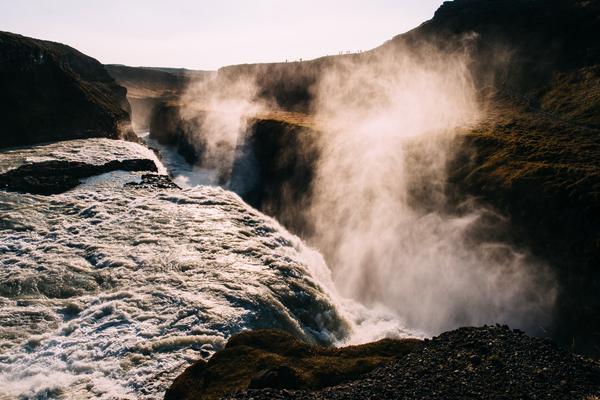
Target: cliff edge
column 51, row 92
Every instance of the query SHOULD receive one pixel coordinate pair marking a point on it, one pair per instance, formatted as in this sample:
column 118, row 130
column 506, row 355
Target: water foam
column 109, row 292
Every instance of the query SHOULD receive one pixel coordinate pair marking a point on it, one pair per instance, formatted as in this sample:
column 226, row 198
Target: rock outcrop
column 57, row 176
column 51, row 91
column 273, row 359
column 280, row 183
column 468, row 363
column 169, row 128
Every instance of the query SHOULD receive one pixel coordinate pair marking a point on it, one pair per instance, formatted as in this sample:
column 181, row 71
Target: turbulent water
column 110, row 291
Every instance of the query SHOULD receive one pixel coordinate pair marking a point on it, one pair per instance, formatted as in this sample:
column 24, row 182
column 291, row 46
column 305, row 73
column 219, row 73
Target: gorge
column 446, row 179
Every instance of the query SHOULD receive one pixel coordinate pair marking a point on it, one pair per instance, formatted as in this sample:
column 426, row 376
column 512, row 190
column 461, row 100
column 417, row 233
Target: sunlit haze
column 211, row 34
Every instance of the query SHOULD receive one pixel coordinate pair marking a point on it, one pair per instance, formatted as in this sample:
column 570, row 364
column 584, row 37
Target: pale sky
column 209, row 34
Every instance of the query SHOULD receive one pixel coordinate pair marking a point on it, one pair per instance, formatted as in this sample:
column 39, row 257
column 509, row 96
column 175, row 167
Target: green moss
column 542, row 170
column 250, row 354
column 575, row 96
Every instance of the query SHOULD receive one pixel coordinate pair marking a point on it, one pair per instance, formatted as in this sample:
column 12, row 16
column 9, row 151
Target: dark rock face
column 54, row 177
column 53, row 92
column 289, row 84
column 281, row 184
column 274, row 359
column 468, row 363
column 168, row 128
column 274, row 168
column 153, row 181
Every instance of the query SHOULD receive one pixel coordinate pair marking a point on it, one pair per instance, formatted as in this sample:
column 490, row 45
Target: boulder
column 58, row 176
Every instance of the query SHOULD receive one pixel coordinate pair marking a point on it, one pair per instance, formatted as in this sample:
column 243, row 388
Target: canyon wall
column 51, row 91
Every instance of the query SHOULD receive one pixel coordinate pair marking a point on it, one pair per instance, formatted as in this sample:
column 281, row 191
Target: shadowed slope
column 266, row 358
column 51, row 91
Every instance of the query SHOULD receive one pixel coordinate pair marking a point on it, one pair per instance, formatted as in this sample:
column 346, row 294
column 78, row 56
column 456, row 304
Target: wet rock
column 54, row 177
column 154, row 181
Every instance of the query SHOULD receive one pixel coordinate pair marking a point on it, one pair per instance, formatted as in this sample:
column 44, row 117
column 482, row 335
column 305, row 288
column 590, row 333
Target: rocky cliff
column 51, row 91
column 534, row 156
column 279, row 162
column 149, row 86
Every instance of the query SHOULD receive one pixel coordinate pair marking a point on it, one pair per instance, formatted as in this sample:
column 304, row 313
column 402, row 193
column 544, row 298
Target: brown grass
column 249, row 354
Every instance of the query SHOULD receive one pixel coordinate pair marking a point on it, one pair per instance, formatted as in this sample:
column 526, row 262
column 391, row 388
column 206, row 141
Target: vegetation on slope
column 490, row 362
column 545, row 174
column 267, row 358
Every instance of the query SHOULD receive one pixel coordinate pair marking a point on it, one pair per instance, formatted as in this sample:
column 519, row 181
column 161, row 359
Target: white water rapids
column 110, row 292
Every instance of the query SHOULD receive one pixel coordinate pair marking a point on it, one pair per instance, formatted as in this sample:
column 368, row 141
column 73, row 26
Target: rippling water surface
column 110, row 291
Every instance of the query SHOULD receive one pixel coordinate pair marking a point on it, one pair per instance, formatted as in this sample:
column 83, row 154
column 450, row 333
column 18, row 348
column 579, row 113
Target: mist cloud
column 387, row 123
column 379, row 198
column 218, row 113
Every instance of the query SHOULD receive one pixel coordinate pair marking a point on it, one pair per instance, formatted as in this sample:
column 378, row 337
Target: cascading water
column 387, row 123
column 380, row 209
column 110, row 291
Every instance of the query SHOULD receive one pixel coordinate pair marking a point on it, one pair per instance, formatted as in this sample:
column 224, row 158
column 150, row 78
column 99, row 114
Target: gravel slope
column 468, row 363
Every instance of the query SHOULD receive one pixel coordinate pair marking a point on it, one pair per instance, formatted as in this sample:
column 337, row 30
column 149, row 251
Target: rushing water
column 110, row 291
column 107, row 289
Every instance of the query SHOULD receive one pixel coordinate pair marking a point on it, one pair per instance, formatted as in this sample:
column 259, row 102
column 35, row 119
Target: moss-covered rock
column 489, row 362
column 267, row 358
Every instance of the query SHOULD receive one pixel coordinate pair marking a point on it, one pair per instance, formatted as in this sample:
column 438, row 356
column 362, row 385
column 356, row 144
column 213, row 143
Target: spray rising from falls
column 379, row 207
column 379, row 200
column 218, row 112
